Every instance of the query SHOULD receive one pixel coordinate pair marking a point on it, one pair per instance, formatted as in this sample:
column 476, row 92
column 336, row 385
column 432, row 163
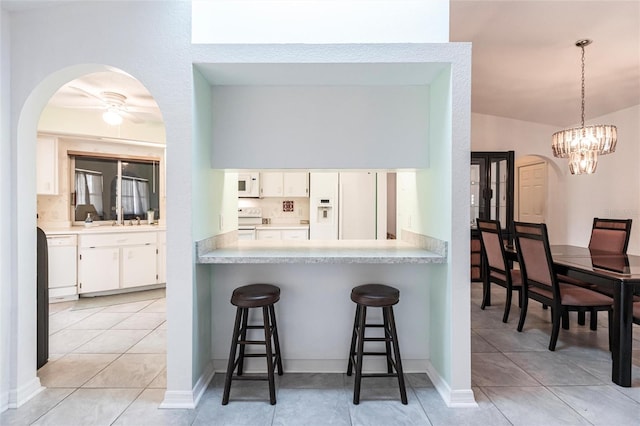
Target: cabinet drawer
column 61, row 240
column 123, row 239
column 295, row 234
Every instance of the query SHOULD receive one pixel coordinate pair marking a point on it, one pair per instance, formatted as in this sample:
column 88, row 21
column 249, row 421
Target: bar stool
column 378, row 296
column 246, row 297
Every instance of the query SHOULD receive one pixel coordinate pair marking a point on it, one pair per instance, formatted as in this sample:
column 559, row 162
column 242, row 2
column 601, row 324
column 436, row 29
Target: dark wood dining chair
column 497, row 267
column 541, row 283
column 610, row 236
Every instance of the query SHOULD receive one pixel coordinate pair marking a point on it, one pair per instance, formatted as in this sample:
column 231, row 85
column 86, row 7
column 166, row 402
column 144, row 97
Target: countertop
column 316, row 251
column 102, row 229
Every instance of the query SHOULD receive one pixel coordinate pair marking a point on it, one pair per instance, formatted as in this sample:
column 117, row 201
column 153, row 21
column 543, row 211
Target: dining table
column 620, row 273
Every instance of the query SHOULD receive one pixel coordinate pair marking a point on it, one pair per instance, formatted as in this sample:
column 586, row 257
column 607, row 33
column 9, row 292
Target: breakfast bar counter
column 341, row 251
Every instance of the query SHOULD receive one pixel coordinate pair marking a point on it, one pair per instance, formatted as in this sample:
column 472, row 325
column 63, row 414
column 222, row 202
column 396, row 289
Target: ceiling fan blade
column 131, row 117
column 87, row 93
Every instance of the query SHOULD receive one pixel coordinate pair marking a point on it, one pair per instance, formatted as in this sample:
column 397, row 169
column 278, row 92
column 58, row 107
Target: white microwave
column 249, row 185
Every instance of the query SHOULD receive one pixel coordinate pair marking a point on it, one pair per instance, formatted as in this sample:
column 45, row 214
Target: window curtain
column 89, row 189
column 135, row 196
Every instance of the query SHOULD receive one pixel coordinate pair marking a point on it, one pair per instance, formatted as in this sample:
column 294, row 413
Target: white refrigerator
column 343, row 205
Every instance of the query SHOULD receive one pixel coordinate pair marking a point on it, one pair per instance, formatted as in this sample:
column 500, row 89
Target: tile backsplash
column 273, row 208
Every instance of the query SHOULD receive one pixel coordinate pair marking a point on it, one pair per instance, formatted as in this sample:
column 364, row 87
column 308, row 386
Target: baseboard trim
column 24, row 393
column 189, row 399
column 4, row 401
column 463, row 398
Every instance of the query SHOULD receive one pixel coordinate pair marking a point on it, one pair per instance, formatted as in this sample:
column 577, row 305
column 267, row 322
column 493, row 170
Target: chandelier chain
column 582, row 116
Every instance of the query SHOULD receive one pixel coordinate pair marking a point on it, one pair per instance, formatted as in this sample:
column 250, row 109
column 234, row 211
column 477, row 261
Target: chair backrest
column 534, row 256
column 610, row 235
column 492, row 245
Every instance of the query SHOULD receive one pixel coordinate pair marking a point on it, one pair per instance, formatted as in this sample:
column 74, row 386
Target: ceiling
column 525, row 62
column 526, row 65
column 96, row 91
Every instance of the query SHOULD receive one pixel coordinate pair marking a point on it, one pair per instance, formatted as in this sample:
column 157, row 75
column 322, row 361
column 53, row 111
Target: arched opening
column 76, row 124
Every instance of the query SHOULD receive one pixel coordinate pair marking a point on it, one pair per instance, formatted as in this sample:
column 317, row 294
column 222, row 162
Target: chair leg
column 232, row 357
column 388, row 312
column 523, row 313
column 610, row 328
column 593, row 319
column 354, row 339
column 358, row 378
column 388, row 335
column 556, row 314
column 565, row 320
column 269, row 354
column 276, row 340
column 581, row 317
column 486, row 287
column 243, row 336
column 507, row 306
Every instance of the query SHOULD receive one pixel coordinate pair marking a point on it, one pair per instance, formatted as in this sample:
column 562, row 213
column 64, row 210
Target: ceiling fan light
column 112, row 117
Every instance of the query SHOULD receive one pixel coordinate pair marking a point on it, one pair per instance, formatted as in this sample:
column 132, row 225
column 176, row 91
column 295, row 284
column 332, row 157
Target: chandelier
column 582, row 145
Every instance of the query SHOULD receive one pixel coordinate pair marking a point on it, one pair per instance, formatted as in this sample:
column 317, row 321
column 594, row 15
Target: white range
column 248, row 218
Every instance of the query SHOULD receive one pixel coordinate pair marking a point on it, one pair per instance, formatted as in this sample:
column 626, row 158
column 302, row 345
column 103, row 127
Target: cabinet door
column 295, row 234
column 268, row 234
column 139, row 265
column 47, row 166
column 271, row 184
column 62, row 265
column 162, row 257
column 296, row 184
column 98, row 269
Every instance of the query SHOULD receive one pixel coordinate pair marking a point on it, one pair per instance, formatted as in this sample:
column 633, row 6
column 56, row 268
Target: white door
column 532, row 192
column 357, row 206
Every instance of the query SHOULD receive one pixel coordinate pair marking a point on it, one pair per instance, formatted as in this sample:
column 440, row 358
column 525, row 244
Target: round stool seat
column 376, row 295
column 255, row 295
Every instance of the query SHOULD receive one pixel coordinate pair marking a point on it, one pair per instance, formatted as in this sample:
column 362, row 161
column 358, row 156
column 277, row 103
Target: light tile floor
column 107, row 367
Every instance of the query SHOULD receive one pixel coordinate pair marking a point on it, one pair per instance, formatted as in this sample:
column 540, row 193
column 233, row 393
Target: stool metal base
column 357, row 351
column 272, row 350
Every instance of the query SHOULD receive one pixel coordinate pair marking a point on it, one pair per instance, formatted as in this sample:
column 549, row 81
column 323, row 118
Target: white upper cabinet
column 284, row 184
column 47, row 165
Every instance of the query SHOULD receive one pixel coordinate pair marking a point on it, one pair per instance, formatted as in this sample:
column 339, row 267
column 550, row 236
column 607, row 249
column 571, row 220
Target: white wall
column 5, row 218
column 324, row 22
column 613, row 191
column 318, row 127
column 51, row 46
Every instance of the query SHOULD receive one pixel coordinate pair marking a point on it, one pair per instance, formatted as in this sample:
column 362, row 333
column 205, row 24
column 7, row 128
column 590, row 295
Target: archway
column 23, row 199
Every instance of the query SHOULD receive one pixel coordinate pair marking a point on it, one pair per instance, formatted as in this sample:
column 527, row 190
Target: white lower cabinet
column 120, row 260
column 162, row 257
column 62, row 260
column 139, row 265
column 295, row 234
column 98, row 269
column 282, row 234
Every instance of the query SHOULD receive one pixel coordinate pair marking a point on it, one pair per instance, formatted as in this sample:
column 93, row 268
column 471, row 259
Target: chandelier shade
column 582, row 145
column 601, row 138
column 583, row 163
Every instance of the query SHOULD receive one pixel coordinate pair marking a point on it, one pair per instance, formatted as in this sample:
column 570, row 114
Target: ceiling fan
column 115, row 106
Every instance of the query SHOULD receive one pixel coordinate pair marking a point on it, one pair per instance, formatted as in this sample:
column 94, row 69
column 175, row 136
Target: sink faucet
column 138, row 220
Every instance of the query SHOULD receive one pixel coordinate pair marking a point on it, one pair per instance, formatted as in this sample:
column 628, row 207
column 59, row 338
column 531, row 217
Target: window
column 115, row 189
